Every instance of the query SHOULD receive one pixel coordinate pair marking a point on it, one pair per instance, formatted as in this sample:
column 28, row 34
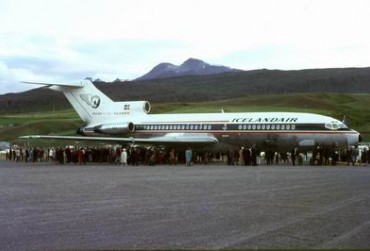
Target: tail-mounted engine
column 133, row 107
column 116, row 128
column 110, row 128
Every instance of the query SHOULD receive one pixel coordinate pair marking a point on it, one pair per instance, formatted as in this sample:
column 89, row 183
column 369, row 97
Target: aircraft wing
column 170, row 138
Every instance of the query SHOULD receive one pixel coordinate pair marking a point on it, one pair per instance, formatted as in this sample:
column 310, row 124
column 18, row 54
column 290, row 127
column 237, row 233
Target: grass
column 356, row 107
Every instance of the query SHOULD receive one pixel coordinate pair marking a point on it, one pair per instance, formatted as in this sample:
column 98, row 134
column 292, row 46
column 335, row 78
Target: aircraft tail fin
column 94, row 107
column 86, row 99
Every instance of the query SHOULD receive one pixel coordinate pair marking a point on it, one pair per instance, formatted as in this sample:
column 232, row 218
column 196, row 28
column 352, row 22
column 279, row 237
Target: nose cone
column 354, row 138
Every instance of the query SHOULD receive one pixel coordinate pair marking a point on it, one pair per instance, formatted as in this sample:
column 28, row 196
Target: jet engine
column 140, row 106
column 115, row 128
column 85, row 131
column 134, row 107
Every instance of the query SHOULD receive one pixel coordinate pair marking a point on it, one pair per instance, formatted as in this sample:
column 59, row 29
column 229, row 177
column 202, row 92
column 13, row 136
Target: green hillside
column 65, row 122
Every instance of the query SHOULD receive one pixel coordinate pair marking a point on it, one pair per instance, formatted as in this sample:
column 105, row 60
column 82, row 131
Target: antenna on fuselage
column 345, row 120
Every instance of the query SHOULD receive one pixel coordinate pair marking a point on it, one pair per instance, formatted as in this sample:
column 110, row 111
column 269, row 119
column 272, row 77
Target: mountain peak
column 190, row 67
column 193, row 63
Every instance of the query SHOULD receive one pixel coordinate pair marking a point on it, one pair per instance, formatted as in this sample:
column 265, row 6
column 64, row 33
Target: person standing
column 241, row 156
column 188, row 156
column 124, row 157
column 17, row 154
column 294, row 155
column 172, row 157
column 354, row 155
column 254, row 155
column 247, row 152
column 81, row 156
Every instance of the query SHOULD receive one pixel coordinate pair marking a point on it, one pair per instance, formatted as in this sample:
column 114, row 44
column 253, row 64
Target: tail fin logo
column 90, row 100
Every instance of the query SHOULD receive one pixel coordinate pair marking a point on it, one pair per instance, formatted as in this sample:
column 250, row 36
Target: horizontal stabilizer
column 80, row 84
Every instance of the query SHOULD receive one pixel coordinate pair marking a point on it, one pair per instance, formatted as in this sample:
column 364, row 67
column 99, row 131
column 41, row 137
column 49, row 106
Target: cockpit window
column 335, row 125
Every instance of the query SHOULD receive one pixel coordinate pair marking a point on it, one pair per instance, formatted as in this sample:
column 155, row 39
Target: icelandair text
column 264, row 120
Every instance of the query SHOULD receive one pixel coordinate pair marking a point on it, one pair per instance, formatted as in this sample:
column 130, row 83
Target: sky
column 69, row 40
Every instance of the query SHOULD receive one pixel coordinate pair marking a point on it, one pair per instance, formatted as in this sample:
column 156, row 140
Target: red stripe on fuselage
column 243, row 132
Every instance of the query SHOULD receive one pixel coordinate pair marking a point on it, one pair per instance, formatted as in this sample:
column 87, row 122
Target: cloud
column 73, row 39
column 8, row 79
column 53, row 59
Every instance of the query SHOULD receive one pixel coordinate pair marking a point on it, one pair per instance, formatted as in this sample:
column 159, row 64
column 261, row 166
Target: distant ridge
column 191, row 67
column 205, row 88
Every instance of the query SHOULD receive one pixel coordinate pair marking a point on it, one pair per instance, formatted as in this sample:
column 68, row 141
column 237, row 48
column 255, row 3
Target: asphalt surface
column 52, row 207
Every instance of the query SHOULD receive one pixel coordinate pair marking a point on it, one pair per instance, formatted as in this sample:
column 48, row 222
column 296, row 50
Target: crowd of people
column 112, row 155
column 244, row 156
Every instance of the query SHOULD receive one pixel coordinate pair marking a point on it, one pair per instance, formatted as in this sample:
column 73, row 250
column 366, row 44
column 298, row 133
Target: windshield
column 335, row 125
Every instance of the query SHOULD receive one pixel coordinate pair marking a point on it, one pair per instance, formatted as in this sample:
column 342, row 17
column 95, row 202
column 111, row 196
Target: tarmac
column 100, row 207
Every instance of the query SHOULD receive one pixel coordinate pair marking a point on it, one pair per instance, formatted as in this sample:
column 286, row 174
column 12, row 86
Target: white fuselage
column 275, row 130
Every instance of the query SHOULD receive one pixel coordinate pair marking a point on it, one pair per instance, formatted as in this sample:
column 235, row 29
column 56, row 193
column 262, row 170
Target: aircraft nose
column 354, row 138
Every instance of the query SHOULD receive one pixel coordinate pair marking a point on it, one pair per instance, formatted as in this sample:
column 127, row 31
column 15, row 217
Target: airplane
column 129, row 122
